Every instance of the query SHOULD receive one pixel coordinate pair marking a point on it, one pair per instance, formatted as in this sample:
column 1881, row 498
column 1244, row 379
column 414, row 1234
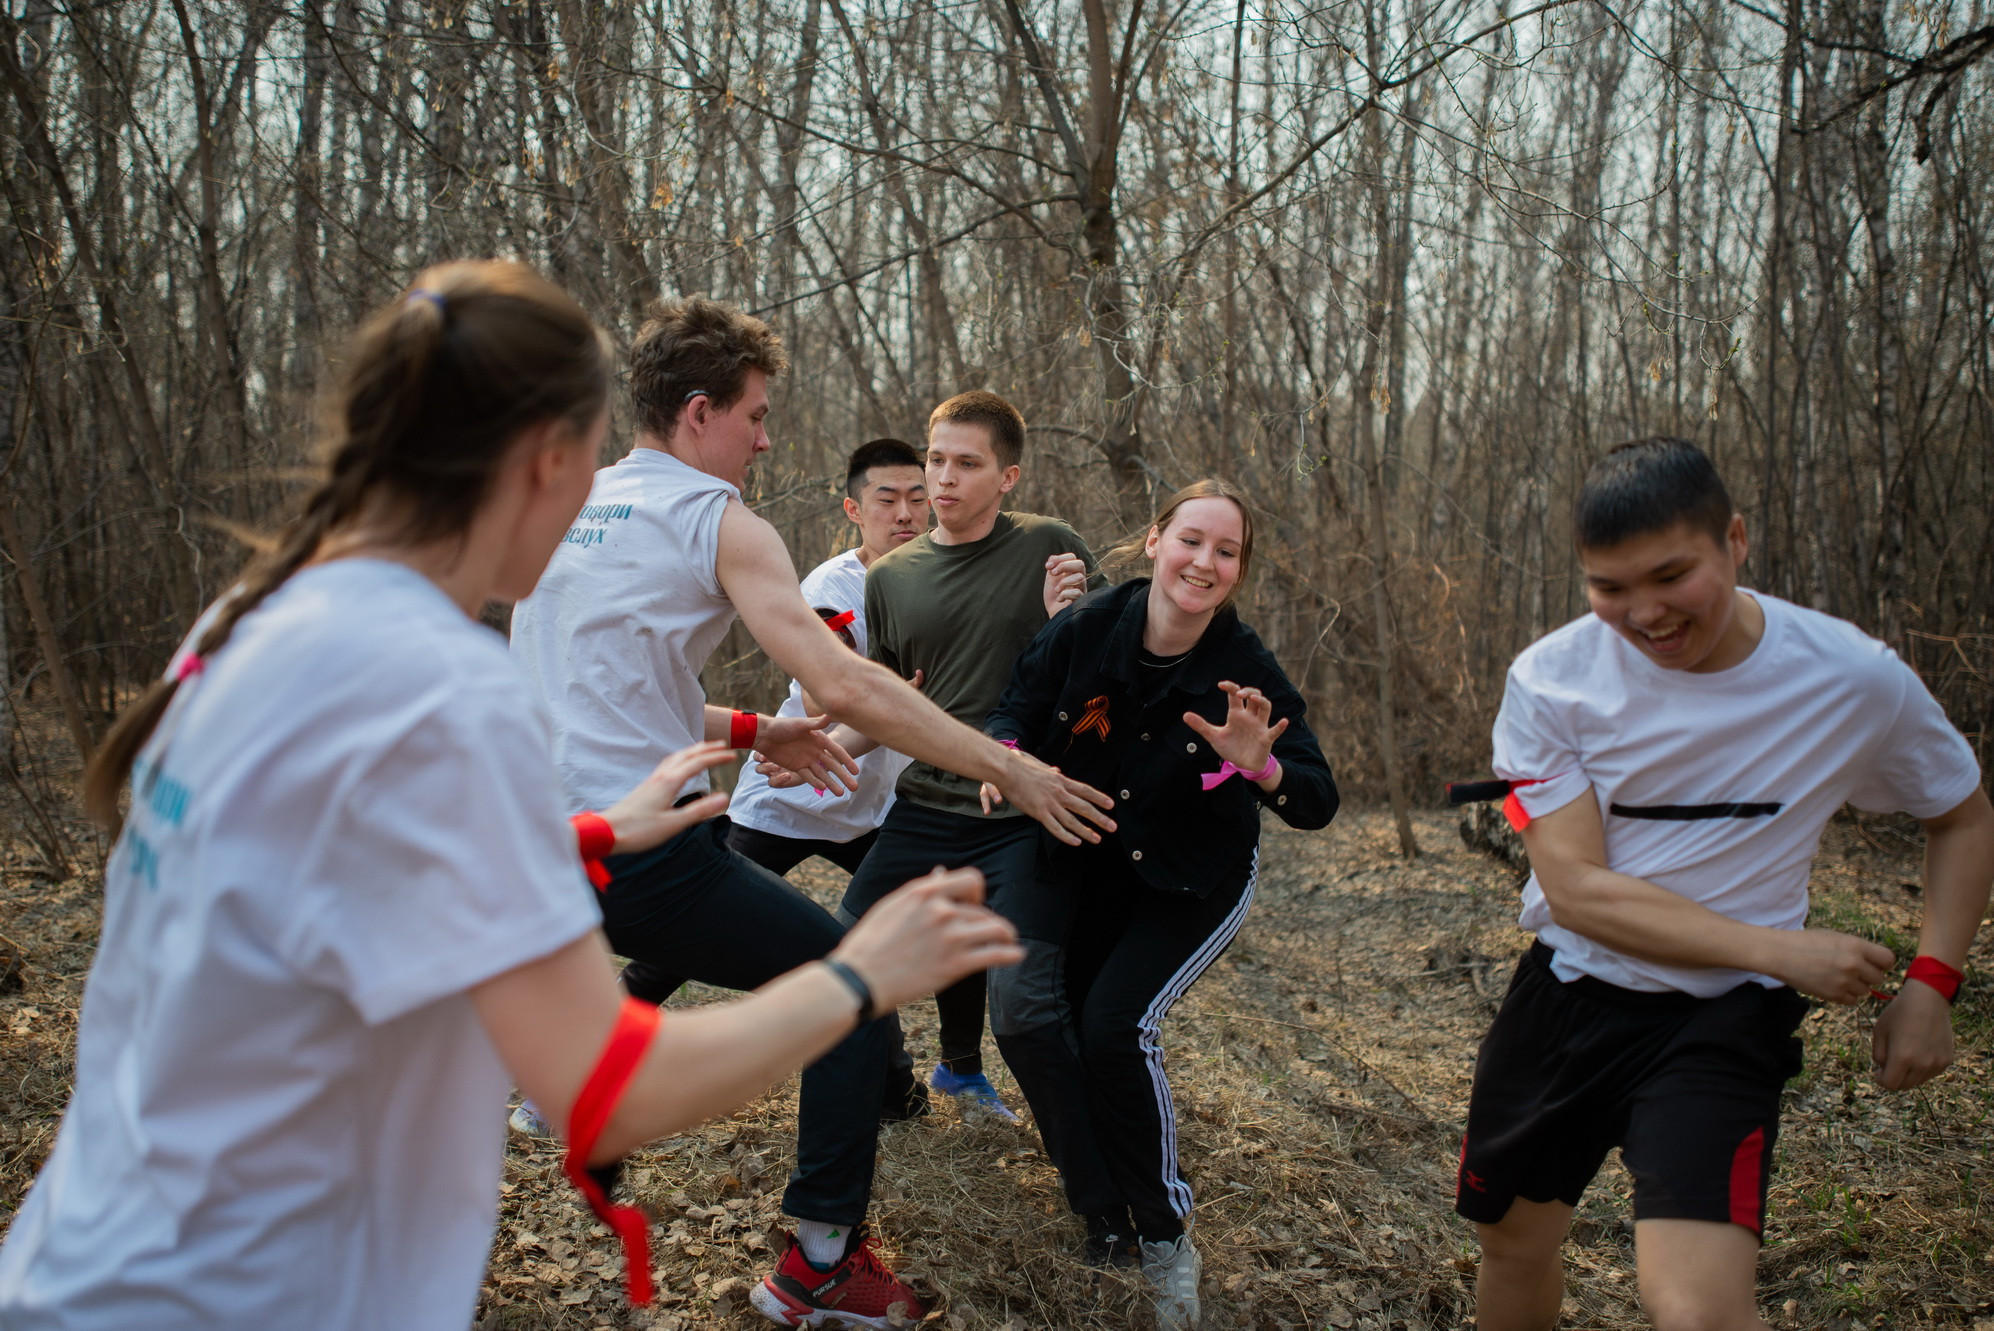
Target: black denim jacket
column 1082, row 671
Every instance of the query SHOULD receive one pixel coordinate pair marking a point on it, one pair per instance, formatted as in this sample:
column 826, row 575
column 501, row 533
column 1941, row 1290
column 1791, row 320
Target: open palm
column 1246, row 738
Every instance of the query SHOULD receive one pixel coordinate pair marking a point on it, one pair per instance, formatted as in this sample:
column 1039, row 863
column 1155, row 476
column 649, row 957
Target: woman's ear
column 1149, row 543
column 545, row 448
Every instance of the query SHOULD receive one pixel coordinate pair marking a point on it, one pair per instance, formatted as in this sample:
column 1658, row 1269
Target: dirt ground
column 1320, row 1070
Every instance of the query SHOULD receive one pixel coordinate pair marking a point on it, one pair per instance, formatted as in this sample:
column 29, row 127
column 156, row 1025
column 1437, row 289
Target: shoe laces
column 866, row 1264
column 1172, row 1268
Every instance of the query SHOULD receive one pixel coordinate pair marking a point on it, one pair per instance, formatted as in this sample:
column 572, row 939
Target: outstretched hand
column 1246, row 739
column 782, row 778
column 800, row 746
column 926, row 936
column 1070, row 810
column 645, row 817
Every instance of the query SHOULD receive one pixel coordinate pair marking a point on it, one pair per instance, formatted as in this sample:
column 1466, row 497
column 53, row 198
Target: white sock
column 823, row 1244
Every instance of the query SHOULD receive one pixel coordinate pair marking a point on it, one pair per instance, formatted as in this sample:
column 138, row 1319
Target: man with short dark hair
column 612, row 640
column 886, row 498
column 1673, row 758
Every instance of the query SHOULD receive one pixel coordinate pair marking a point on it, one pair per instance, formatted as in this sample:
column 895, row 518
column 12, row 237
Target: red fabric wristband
column 838, row 621
column 595, row 838
column 742, row 729
column 1932, row 971
column 636, row 1025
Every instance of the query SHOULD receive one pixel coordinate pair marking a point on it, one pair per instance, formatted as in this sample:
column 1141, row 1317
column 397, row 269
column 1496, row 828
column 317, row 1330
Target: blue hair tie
column 433, row 297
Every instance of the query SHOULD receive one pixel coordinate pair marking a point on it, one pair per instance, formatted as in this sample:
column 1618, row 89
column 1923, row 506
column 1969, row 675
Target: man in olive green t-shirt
column 958, row 604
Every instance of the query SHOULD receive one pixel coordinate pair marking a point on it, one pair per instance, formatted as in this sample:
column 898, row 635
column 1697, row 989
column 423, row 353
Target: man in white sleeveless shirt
column 648, row 580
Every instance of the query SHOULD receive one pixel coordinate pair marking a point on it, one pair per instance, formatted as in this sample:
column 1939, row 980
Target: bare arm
column 550, row 1018
column 757, row 575
column 1913, row 1040
column 847, row 738
column 796, row 744
column 1568, row 853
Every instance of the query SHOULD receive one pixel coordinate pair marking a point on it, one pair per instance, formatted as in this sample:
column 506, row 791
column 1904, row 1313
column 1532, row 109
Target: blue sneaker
column 975, row 1096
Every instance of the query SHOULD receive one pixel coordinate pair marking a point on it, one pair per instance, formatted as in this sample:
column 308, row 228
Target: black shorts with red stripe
column 1688, row 1088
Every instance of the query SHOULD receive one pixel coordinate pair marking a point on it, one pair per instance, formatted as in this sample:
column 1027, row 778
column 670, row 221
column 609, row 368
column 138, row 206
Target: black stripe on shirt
column 1689, row 813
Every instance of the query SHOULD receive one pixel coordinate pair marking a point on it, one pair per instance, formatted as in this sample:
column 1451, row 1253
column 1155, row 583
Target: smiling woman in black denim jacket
column 1155, row 692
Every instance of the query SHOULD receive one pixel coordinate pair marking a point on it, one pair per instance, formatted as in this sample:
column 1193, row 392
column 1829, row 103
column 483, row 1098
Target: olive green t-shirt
column 960, row 614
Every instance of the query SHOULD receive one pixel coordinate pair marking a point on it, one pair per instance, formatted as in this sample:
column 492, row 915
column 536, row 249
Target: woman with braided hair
column 346, row 910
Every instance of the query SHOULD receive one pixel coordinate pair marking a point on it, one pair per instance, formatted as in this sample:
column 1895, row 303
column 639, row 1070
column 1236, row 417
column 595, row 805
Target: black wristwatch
column 855, row 982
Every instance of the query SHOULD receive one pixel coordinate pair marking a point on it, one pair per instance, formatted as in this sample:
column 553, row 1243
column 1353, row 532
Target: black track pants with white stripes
column 1079, row 1023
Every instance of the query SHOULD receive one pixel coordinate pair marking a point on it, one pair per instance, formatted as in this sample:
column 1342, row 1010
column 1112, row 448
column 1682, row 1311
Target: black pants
column 692, row 909
column 912, row 841
column 779, row 854
column 1079, row 1023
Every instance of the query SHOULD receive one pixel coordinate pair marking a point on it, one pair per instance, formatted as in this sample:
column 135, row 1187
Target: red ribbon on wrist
column 594, row 838
column 636, row 1026
column 1932, row 971
column 838, row 621
column 742, row 729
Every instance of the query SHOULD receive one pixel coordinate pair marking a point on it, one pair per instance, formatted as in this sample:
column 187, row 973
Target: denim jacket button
column 1135, row 854
column 1062, row 716
column 1190, row 748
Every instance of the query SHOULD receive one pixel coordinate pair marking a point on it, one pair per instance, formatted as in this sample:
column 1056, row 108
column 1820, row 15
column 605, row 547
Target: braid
column 110, row 766
column 436, row 387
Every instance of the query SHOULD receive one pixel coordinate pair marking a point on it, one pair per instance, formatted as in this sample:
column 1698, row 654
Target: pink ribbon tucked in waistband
column 1212, row 780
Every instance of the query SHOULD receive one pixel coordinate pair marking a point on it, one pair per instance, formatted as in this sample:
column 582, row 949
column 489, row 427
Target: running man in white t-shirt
column 346, row 909
column 886, row 498
column 636, row 598
column 1673, row 757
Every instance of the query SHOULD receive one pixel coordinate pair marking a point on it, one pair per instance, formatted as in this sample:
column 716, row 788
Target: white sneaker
column 526, row 1120
column 1172, row 1272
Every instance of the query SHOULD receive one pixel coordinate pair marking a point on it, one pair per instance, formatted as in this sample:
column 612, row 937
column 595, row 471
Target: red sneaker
column 859, row 1291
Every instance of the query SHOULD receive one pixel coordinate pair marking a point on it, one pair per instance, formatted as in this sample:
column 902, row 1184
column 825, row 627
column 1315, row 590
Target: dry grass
column 1321, row 1070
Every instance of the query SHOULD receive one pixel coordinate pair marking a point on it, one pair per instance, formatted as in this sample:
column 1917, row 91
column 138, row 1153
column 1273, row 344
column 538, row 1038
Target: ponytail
column 435, row 389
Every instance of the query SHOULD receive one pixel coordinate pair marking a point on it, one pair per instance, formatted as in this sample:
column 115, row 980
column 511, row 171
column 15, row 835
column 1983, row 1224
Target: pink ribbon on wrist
column 1212, row 780
column 1008, row 743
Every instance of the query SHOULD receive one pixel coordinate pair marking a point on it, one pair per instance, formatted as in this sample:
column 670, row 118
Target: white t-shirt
column 286, row 1113
column 1716, row 786
column 630, row 607
column 838, row 582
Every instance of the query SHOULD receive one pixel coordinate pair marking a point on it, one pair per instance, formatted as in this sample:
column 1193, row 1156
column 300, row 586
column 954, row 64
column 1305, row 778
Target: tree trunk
column 1384, row 306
